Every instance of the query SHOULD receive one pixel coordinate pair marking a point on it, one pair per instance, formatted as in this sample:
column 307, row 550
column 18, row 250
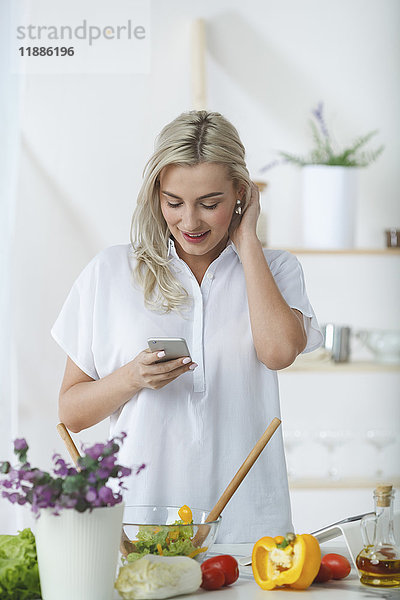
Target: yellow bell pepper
column 197, row 551
column 185, row 514
column 160, row 550
column 292, row 561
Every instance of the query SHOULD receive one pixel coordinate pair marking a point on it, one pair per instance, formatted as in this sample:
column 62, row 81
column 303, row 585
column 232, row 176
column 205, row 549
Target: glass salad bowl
column 169, row 531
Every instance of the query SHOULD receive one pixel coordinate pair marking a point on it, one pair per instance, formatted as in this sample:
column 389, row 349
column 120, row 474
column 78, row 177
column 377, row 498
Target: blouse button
column 210, row 276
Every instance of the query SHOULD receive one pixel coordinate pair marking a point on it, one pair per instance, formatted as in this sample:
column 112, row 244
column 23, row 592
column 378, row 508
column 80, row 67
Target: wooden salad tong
column 231, row 488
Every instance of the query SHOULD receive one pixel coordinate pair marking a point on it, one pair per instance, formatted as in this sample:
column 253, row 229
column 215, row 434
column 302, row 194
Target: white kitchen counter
column 245, row 588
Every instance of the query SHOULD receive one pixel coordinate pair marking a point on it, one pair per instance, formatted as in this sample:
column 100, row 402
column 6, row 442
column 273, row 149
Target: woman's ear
column 244, row 195
column 240, row 191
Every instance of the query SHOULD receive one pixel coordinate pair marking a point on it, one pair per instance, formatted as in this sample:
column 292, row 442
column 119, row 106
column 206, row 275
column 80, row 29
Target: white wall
column 86, row 138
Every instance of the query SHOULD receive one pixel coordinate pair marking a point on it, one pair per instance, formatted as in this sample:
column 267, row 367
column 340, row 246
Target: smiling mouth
column 195, row 237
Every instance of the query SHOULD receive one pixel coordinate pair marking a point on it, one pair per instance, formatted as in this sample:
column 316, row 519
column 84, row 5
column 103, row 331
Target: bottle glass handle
column 364, row 531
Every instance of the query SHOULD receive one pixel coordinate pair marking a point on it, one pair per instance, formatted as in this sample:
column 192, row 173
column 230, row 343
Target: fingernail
column 186, row 360
column 161, row 354
column 193, row 366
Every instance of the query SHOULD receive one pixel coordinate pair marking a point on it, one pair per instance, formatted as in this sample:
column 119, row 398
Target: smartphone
column 173, row 347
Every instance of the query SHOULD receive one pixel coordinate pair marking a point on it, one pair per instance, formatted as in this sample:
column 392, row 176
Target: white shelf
column 345, row 483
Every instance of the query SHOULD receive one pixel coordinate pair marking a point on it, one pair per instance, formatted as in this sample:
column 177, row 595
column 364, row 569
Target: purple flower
column 66, row 487
column 270, row 165
column 318, row 114
column 110, row 448
column 106, row 466
column 95, row 451
column 108, row 462
column 103, row 473
column 62, row 469
column 13, row 498
column 20, row 444
column 124, row 472
column 142, row 466
column 91, row 495
column 92, row 477
column 66, row 502
column 42, row 496
column 106, row 495
column 28, row 475
column 117, row 498
column 13, row 474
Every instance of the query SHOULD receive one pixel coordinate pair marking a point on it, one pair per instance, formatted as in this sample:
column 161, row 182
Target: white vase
column 328, row 206
column 78, row 553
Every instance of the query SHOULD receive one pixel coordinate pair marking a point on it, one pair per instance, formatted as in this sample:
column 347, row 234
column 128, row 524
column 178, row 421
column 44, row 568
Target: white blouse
column 194, row 433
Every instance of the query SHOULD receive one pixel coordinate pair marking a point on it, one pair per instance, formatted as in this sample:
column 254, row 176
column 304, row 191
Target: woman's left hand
column 248, row 220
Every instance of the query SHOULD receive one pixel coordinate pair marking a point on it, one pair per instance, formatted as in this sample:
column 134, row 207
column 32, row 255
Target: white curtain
column 10, row 86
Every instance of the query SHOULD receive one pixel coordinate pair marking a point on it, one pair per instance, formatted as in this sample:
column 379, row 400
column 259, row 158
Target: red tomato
column 213, row 578
column 338, row 564
column 227, row 564
column 324, row 574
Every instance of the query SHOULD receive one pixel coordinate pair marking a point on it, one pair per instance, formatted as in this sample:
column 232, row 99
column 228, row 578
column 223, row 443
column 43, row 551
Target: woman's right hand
column 146, row 372
column 85, row 401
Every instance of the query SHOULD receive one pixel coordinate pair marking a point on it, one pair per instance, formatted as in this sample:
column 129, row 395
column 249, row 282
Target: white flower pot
column 78, row 553
column 328, row 206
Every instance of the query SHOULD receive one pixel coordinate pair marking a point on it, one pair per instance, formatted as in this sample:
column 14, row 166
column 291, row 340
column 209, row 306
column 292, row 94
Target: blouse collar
column 230, row 246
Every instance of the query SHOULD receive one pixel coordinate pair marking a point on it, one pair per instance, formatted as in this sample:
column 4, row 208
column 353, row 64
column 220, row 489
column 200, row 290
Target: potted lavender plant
column 79, row 518
column 329, row 185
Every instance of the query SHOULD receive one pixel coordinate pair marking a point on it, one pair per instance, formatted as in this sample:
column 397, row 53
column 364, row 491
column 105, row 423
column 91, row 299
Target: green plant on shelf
column 326, row 151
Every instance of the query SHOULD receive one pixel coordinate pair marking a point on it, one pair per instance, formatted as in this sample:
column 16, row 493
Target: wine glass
column 380, row 439
column 292, row 438
column 333, row 439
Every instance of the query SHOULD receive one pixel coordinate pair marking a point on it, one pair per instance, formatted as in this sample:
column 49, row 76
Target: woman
column 195, row 269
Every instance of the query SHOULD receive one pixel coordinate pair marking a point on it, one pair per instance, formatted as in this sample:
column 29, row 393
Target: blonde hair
column 192, row 138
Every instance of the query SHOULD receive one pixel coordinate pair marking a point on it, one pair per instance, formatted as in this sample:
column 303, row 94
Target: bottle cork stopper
column 383, row 492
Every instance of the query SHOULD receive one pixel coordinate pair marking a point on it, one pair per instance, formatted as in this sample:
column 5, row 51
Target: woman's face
column 198, row 203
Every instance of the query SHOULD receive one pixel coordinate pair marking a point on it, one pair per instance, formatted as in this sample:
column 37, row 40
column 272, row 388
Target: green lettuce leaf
column 19, row 572
column 179, row 548
column 173, row 541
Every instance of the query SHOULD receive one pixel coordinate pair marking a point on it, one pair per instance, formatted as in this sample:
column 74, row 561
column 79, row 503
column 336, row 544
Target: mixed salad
column 167, row 540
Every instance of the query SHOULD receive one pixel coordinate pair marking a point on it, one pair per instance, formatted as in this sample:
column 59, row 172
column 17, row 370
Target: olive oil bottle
column 379, row 561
